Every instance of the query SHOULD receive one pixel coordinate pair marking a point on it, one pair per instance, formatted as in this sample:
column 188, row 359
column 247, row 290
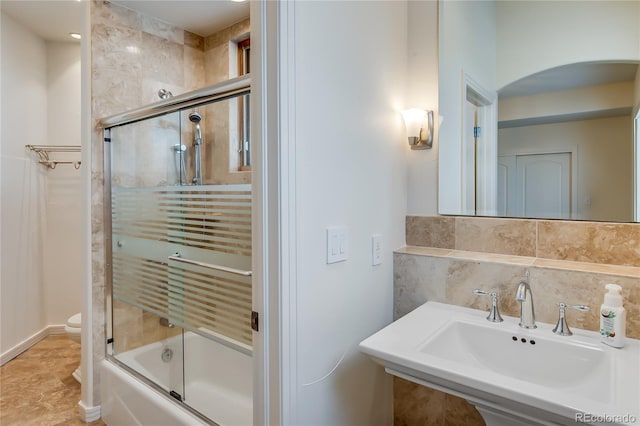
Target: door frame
column 274, row 212
column 636, row 165
column 486, row 164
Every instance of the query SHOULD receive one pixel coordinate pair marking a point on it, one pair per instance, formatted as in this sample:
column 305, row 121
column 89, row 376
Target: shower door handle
column 176, row 257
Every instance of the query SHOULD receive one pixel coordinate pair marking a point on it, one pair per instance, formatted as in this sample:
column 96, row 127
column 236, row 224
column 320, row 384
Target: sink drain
column 167, row 355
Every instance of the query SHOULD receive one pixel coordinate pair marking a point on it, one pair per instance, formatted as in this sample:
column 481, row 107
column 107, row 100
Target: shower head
column 195, row 117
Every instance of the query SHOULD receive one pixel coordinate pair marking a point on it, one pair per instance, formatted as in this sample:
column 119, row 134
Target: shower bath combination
column 179, row 253
column 180, row 151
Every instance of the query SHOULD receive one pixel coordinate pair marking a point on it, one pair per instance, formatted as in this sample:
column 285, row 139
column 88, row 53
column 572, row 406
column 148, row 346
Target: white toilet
column 73, row 329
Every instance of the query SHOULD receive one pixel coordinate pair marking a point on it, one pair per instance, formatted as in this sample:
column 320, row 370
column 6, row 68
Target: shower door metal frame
column 218, row 92
column 108, row 272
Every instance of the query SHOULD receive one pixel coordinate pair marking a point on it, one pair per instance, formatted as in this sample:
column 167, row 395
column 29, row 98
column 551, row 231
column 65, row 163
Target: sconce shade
column 419, row 125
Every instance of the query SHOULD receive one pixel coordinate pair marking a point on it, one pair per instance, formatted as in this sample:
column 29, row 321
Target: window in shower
column 244, row 67
column 181, row 259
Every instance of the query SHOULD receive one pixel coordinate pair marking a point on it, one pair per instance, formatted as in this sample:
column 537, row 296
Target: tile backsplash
column 448, row 257
column 593, row 242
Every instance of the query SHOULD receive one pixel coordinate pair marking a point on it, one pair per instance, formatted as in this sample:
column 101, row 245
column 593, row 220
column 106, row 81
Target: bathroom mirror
column 538, row 105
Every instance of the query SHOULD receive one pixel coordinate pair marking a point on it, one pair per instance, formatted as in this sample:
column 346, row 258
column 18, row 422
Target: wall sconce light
column 419, row 125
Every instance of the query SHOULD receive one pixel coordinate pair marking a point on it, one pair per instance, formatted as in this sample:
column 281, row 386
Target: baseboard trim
column 29, row 342
column 88, row 414
column 55, row 330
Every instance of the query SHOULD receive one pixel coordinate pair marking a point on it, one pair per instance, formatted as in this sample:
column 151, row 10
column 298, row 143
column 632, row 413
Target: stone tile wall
column 132, row 57
column 567, row 261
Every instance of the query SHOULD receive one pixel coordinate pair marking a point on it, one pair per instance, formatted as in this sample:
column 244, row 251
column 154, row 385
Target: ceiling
column 55, row 19
column 49, row 19
column 202, row 17
column 569, row 77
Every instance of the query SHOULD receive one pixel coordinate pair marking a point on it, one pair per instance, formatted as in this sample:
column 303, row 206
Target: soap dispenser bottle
column 612, row 317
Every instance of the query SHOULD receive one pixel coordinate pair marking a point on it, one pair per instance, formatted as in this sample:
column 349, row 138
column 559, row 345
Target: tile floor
column 36, row 388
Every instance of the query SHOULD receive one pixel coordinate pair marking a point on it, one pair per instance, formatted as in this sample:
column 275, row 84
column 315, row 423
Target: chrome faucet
column 494, row 313
column 525, row 297
column 562, row 328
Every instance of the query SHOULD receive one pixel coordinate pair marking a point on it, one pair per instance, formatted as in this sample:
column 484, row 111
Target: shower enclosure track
column 217, row 92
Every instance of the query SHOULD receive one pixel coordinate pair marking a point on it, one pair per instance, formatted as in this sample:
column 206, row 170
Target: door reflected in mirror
column 542, row 125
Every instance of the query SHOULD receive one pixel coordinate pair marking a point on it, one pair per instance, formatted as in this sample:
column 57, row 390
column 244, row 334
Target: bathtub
column 217, row 383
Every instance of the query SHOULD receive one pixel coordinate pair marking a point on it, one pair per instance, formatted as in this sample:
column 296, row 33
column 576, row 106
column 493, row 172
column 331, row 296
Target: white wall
column 467, row 45
column 350, row 72
column 63, row 96
column 536, row 35
column 40, row 220
column 62, row 242
column 24, row 121
column 422, row 91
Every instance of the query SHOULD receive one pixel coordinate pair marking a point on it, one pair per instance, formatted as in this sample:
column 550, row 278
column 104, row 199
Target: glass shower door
column 181, row 255
column 211, row 267
column 146, row 162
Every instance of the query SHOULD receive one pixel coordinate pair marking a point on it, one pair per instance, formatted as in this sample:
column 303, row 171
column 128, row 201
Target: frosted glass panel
column 210, row 224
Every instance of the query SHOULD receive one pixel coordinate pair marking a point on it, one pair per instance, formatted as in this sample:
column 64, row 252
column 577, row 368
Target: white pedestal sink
column 514, row 376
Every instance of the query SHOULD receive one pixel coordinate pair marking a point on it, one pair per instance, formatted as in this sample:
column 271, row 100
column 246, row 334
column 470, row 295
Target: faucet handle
column 562, row 328
column 494, row 313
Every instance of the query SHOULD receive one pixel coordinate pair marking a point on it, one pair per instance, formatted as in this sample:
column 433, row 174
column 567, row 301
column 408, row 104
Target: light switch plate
column 337, row 244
